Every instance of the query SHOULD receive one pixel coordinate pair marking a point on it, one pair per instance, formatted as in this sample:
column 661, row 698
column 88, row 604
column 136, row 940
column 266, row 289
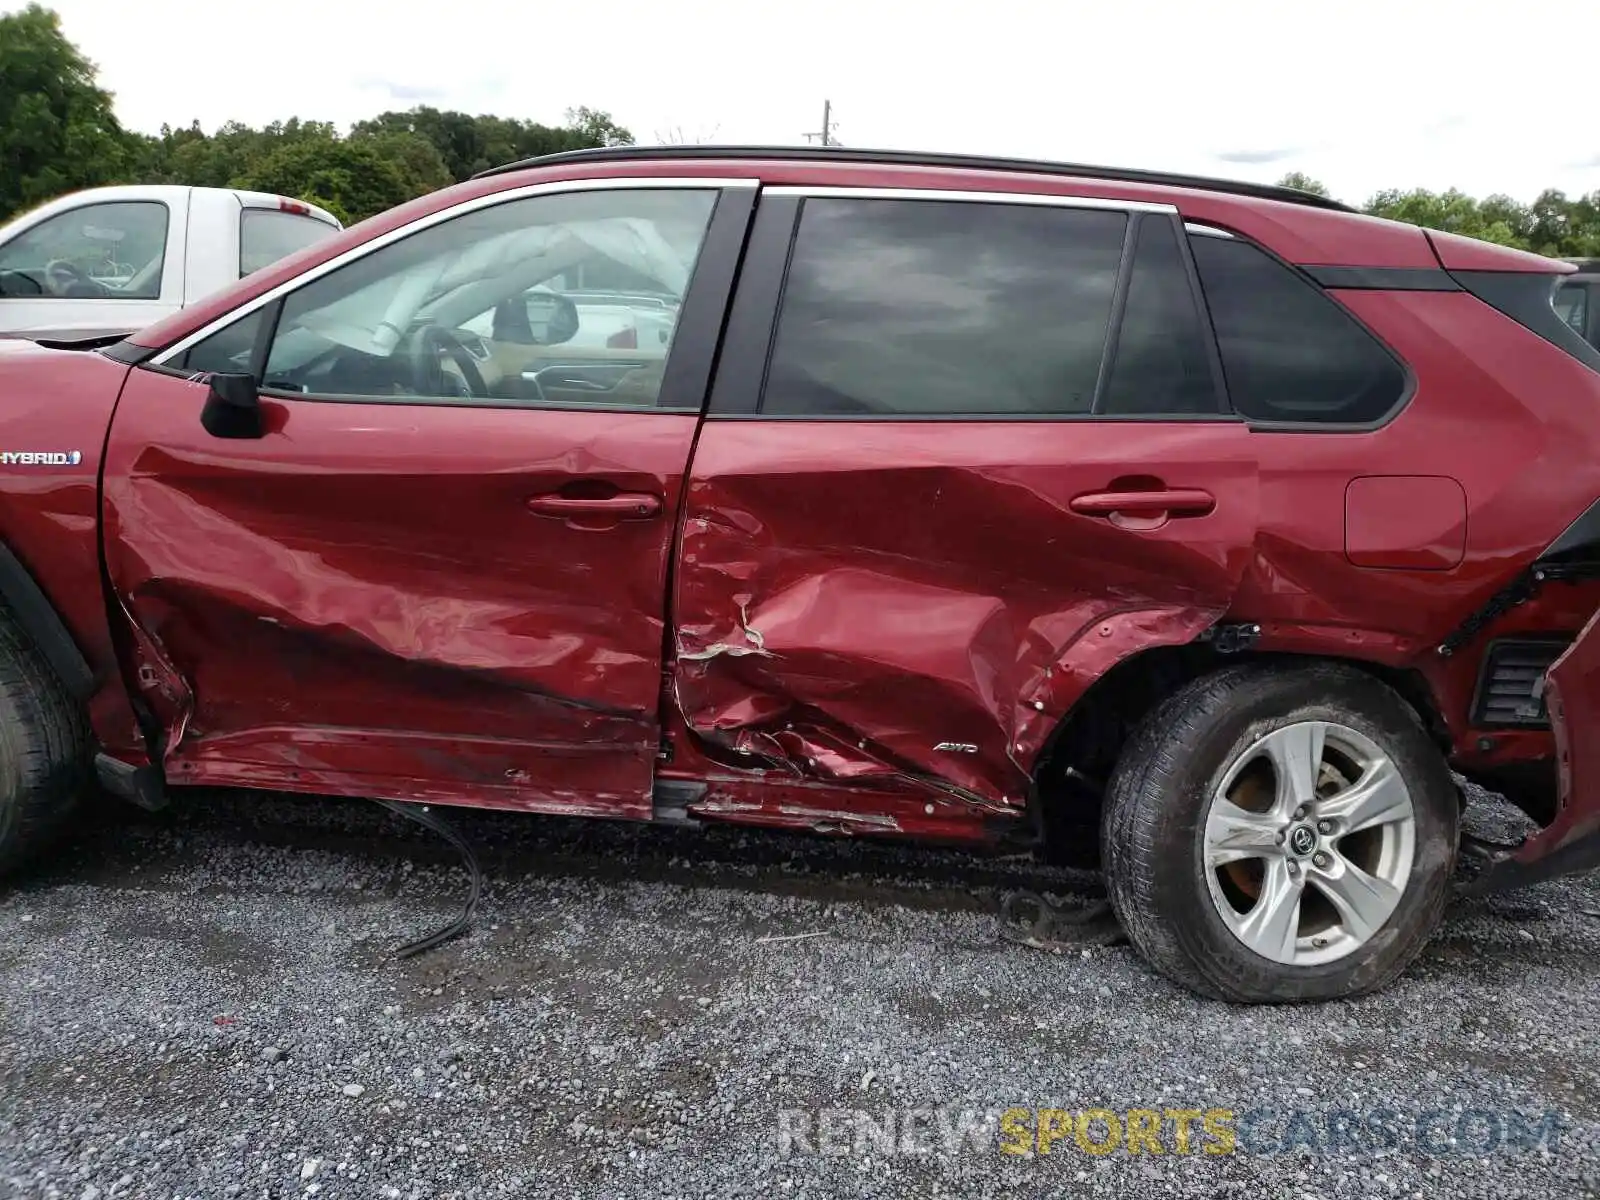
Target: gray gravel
column 203, row 1004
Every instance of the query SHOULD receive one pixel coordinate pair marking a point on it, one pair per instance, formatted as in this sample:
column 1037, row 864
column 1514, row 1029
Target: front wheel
column 45, row 752
column 1280, row 834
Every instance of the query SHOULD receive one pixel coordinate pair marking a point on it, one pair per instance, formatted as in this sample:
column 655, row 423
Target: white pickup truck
column 112, row 260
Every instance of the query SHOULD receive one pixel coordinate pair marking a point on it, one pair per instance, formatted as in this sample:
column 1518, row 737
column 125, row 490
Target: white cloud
column 1362, row 94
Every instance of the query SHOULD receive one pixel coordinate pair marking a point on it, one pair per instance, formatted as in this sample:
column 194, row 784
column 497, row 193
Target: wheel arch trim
column 1409, row 684
column 38, row 619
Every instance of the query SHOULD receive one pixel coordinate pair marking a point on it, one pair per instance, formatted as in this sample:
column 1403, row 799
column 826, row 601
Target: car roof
column 967, row 162
column 1298, row 227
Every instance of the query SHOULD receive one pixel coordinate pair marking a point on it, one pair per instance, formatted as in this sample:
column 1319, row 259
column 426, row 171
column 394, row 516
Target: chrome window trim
column 639, row 182
column 1048, row 200
column 1202, row 230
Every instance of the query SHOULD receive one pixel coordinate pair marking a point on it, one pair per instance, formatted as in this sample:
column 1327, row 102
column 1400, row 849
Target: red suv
column 867, row 493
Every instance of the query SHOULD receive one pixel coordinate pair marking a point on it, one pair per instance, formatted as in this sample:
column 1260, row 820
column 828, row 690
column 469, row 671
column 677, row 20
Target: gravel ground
column 204, row 1003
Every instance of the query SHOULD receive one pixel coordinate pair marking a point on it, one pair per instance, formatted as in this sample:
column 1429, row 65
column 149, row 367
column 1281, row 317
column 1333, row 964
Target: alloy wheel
column 1308, row 843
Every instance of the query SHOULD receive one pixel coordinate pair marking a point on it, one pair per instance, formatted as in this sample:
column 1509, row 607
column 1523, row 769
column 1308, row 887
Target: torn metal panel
column 894, row 809
column 1571, row 842
column 932, row 623
column 1083, row 658
column 167, row 698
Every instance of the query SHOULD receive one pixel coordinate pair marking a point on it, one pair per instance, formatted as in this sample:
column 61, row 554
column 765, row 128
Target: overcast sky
column 1362, row 94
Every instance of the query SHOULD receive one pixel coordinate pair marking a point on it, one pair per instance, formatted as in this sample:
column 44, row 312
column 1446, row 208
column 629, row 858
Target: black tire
column 45, row 762
column 1152, row 832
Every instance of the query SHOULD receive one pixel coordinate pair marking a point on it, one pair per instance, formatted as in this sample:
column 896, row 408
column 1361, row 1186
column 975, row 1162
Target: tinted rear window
column 1289, row 352
column 936, row 308
column 1161, row 364
column 266, row 235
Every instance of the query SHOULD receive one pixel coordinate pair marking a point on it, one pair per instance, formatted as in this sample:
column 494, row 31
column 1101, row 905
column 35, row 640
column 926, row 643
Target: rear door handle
column 624, row 506
column 1168, row 502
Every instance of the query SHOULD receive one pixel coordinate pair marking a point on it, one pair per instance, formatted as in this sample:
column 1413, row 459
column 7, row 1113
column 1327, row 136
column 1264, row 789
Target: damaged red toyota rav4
column 962, row 499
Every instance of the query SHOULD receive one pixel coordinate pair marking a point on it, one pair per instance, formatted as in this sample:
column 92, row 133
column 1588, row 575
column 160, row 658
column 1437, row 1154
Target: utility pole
column 826, row 136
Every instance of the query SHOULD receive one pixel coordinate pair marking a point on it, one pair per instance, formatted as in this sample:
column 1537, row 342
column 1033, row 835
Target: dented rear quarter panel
column 1508, row 417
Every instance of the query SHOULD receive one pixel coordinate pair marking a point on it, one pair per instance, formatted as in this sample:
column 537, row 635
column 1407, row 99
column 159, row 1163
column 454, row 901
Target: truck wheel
column 1276, row 834
column 44, row 751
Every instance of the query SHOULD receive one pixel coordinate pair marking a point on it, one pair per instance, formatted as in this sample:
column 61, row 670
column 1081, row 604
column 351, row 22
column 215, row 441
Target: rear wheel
column 44, row 751
column 1280, row 834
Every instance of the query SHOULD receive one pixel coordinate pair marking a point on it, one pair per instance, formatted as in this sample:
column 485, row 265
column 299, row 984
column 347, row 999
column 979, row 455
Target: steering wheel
column 435, row 343
column 70, row 280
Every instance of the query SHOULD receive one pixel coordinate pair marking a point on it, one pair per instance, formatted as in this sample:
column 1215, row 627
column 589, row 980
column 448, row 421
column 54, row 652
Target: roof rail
column 971, row 162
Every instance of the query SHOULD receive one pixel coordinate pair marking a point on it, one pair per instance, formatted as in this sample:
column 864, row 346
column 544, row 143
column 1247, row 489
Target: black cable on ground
column 429, row 820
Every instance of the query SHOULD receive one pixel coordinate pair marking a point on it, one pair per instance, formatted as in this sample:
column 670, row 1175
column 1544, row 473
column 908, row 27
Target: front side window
column 563, row 299
column 905, row 308
column 266, row 235
column 1289, row 352
column 228, row 351
column 113, row 250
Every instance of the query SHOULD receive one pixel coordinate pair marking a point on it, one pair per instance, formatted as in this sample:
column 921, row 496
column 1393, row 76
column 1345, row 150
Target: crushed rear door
column 908, row 547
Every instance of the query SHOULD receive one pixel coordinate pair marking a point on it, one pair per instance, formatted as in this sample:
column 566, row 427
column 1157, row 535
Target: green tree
column 352, row 178
column 597, row 128
column 419, row 161
column 1583, row 215
column 468, row 144
column 454, row 135
column 1556, row 226
column 57, row 130
column 1453, row 211
column 58, row 133
column 1304, row 183
column 190, row 156
column 1499, row 211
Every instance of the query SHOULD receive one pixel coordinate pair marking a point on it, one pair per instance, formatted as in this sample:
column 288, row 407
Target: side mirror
column 553, row 317
column 233, row 408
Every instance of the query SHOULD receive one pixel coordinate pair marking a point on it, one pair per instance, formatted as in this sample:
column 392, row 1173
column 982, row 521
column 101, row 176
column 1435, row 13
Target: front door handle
column 624, row 506
column 1168, row 502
